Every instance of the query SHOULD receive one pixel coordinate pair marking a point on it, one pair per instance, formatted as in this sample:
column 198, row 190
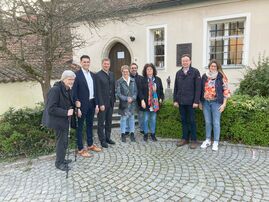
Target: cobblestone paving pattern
column 143, row 172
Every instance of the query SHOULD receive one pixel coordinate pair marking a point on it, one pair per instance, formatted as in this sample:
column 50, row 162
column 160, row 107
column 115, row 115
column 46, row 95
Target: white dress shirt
column 89, row 80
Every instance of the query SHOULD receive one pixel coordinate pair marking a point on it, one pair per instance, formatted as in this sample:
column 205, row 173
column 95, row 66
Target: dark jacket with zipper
column 138, row 80
column 218, row 87
column 143, row 91
column 187, row 89
column 58, row 103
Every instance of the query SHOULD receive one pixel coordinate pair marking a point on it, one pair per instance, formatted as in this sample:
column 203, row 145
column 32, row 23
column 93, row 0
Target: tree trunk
column 45, row 89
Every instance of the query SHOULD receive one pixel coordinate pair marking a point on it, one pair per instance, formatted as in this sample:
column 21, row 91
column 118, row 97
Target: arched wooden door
column 119, row 55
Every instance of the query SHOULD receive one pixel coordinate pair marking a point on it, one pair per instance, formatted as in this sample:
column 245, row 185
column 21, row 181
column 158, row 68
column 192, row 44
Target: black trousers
column 61, row 146
column 104, row 124
column 88, row 115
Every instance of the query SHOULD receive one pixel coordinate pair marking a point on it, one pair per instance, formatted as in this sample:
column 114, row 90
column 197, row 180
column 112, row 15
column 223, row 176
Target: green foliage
column 256, row 80
column 169, row 117
column 22, row 134
column 245, row 120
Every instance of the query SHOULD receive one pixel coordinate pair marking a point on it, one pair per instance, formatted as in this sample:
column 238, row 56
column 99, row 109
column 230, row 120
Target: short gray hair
column 67, row 73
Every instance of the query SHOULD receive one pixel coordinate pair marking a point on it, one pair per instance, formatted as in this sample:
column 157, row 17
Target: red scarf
column 153, row 97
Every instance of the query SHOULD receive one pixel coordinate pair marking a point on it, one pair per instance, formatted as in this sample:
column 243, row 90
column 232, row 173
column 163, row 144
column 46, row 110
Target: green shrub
column 245, row 120
column 22, row 134
column 256, row 80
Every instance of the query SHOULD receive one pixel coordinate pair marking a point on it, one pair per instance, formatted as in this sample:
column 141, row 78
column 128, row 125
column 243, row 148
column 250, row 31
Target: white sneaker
column 215, row 146
column 206, row 144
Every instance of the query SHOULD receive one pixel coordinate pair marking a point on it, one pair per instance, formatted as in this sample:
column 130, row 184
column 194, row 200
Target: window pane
column 159, row 50
column 227, row 40
column 219, row 49
column 236, row 28
column 212, row 49
column 220, row 29
column 219, row 57
column 213, row 33
column 219, row 43
column 159, row 61
column 158, row 34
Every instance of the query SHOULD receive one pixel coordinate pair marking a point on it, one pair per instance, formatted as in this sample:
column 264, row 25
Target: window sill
column 231, row 66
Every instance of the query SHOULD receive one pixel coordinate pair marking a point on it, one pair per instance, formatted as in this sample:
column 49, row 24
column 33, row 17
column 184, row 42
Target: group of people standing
column 209, row 93
column 86, row 94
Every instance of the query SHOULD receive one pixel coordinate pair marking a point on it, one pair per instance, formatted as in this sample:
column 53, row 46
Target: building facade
column 233, row 31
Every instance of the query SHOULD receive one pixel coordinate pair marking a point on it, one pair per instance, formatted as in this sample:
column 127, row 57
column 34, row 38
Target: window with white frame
column 226, row 41
column 157, row 46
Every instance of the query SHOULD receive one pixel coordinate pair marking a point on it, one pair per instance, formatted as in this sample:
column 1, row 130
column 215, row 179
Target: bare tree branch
column 36, row 34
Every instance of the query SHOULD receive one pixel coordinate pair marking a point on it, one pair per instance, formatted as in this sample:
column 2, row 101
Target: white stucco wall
column 19, row 95
column 185, row 24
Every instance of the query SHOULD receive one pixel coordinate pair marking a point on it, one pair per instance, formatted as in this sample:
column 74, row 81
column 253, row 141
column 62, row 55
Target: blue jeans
column 140, row 117
column 187, row 113
column 141, row 120
column 150, row 119
column 127, row 122
column 212, row 118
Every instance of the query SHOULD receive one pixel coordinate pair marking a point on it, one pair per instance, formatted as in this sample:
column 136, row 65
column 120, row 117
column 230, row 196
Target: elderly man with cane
column 57, row 114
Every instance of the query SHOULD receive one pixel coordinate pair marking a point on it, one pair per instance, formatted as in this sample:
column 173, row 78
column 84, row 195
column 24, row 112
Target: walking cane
column 67, row 158
column 78, row 105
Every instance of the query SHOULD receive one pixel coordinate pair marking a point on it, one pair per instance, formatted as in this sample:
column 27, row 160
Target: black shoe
column 126, row 133
column 67, row 161
column 62, row 167
column 104, row 144
column 153, row 137
column 145, row 137
column 132, row 137
column 109, row 141
column 123, row 137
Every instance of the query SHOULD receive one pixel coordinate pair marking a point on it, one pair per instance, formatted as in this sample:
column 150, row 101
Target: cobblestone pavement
column 143, row 172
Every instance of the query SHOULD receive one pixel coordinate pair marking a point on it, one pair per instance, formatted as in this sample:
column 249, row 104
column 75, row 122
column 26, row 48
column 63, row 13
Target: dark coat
column 81, row 91
column 56, row 108
column 187, row 89
column 143, row 91
column 218, row 87
column 123, row 91
column 105, row 88
column 138, row 80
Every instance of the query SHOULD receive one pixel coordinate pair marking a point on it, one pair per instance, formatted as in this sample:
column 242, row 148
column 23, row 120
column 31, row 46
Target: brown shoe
column 182, row 142
column 193, row 145
column 84, row 154
column 94, row 148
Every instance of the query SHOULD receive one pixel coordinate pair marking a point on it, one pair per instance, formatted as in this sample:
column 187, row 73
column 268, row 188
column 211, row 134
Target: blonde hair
column 105, row 59
column 125, row 67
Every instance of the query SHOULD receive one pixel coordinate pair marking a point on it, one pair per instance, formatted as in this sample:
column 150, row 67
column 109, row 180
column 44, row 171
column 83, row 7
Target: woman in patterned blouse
column 213, row 101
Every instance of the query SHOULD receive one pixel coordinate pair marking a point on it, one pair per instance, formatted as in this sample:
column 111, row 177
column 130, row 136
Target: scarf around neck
column 211, row 75
column 152, row 97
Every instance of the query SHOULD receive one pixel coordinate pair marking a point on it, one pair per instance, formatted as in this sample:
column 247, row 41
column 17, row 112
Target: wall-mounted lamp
column 132, row 38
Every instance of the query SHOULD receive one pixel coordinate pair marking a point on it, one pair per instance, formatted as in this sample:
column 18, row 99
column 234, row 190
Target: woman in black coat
column 58, row 108
column 151, row 96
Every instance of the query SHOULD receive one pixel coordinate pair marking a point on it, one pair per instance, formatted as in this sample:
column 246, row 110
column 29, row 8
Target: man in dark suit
column 85, row 97
column 59, row 106
column 106, row 98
